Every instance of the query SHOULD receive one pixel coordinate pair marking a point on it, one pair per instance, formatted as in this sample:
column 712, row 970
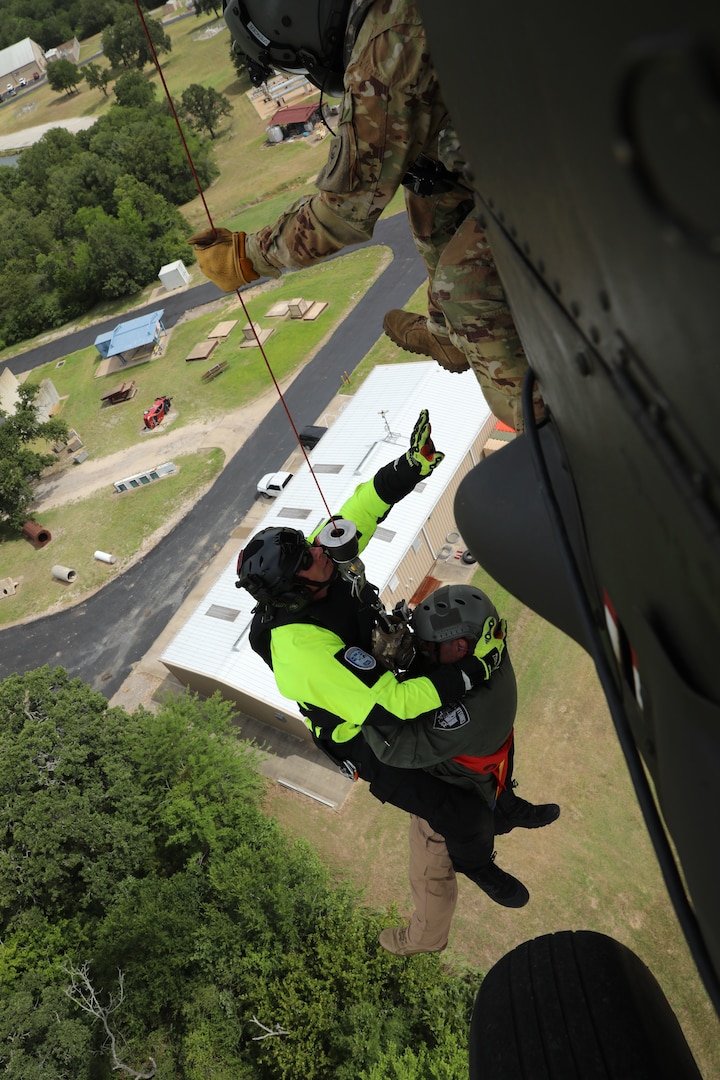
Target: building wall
column 422, row 556
column 250, row 706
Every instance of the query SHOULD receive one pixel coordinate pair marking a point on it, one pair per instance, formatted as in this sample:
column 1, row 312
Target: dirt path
column 227, row 432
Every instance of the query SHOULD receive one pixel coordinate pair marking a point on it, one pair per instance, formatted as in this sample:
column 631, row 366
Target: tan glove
column 221, row 257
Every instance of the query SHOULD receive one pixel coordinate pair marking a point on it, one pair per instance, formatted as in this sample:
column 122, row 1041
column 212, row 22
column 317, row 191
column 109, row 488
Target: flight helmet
column 268, row 566
column 451, row 612
column 305, row 38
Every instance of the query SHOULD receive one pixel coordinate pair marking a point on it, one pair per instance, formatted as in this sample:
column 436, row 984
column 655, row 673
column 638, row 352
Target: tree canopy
column 204, row 107
column 94, row 216
column 125, row 42
column 139, row 874
column 21, row 463
column 63, row 75
column 51, row 24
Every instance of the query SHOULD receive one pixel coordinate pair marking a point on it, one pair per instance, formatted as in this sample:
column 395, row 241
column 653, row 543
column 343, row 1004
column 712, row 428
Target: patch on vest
column 359, row 659
column 451, row 717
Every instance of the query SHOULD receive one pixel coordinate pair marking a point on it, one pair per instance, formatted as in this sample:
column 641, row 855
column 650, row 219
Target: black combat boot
column 514, row 813
column 501, row 887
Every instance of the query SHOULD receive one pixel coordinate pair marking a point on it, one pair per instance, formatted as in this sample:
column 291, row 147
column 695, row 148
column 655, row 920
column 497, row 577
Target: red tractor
column 157, row 412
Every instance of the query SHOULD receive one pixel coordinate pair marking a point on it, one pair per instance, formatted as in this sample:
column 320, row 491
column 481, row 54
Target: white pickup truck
column 273, row 484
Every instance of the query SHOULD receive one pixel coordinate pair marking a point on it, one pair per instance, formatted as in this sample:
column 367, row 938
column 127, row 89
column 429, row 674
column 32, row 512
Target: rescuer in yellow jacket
column 315, row 630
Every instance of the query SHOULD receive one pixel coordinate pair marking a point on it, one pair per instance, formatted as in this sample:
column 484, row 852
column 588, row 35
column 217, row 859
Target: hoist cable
column 196, row 178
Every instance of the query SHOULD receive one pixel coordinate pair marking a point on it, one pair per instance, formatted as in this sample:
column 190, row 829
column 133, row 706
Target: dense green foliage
column 52, row 23
column 136, row 844
column 94, row 216
column 63, row 75
column 21, row 463
column 125, row 42
column 203, row 107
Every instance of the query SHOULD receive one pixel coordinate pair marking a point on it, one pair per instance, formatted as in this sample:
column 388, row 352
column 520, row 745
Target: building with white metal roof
column 21, row 59
column 211, row 651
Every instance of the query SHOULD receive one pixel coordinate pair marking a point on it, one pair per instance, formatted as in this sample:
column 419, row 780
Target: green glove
column 491, row 646
column 422, row 453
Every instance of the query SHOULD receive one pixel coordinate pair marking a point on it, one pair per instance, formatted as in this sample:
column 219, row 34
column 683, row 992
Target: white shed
column 174, row 275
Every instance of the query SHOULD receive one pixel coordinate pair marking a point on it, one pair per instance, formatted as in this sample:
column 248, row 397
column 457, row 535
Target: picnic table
column 215, row 370
column 124, row 391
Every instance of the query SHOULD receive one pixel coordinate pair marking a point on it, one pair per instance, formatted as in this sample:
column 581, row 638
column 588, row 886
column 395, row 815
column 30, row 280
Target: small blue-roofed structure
column 133, row 339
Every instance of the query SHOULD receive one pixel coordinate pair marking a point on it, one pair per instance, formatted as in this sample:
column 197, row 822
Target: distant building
column 211, row 651
column 133, row 339
column 296, row 119
column 9, row 396
column 21, row 61
column 69, row 50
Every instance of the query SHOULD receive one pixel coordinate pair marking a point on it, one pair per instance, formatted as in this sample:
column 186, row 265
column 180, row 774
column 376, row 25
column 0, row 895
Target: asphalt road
column 101, row 638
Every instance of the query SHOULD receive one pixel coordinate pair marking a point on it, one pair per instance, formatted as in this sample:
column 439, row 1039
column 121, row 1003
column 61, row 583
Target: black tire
column 575, row 1005
column 468, row 557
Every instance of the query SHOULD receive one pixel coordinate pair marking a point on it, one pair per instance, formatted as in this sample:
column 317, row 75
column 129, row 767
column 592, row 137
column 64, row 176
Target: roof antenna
column 390, row 435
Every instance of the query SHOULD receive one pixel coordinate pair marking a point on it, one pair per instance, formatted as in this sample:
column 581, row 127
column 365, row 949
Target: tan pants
column 433, row 885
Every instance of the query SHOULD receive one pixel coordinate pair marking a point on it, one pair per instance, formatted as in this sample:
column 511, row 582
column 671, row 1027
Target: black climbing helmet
column 269, row 565
column 451, row 612
column 305, row 38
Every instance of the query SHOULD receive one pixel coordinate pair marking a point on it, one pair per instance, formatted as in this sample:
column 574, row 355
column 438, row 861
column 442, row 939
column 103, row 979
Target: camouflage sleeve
column 392, row 111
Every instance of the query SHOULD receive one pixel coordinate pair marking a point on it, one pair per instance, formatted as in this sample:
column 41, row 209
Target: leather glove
column 221, row 257
column 422, row 454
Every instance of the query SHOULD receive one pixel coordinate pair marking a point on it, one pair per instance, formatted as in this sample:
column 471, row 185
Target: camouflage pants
column 466, row 297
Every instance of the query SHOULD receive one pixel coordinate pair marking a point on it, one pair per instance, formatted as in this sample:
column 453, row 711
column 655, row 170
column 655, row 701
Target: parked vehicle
column 10, row 90
column 273, row 484
column 22, row 82
column 311, row 435
column 157, row 412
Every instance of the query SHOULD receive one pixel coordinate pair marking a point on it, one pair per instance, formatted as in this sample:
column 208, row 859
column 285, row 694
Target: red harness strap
column 496, row 763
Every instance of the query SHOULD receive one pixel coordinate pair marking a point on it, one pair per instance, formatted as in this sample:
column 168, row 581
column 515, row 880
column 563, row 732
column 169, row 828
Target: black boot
column 501, row 887
column 519, row 814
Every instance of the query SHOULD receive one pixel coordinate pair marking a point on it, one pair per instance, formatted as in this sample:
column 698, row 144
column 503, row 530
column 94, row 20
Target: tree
column 204, row 106
column 133, row 91
column 240, row 62
column 97, row 78
column 21, row 466
column 125, row 43
column 63, row 75
column 137, row 844
column 204, row 7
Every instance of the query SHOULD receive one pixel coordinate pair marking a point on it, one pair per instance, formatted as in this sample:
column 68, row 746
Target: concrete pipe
column 63, row 573
column 102, row 556
column 36, row 534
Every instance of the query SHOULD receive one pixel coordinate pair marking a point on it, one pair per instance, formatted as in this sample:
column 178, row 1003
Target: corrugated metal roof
column 17, row 56
column 374, row 428
column 129, row 335
column 294, row 114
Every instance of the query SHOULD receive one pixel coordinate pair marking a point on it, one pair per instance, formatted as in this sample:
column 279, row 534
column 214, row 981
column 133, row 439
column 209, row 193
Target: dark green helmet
column 451, row 612
column 305, row 38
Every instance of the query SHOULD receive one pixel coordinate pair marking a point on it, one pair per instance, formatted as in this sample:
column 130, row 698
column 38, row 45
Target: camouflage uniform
column 392, row 112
